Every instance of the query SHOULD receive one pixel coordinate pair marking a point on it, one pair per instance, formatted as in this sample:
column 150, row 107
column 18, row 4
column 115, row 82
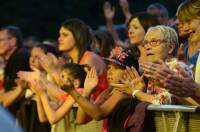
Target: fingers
column 92, row 73
column 106, row 5
column 34, row 68
column 130, row 72
column 183, row 72
column 135, row 72
column 53, row 57
column 117, row 85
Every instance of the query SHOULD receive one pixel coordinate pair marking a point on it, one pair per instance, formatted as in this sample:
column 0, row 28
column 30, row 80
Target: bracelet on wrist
column 135, row 91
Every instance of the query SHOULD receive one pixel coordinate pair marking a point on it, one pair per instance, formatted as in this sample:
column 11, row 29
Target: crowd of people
column 101, row 80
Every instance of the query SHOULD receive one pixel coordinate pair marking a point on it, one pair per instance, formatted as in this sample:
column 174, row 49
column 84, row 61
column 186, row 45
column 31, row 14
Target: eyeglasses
column 154, row 43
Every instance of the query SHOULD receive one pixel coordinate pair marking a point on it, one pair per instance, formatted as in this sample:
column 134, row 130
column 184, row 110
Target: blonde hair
column 189, row 10
column 169, row 35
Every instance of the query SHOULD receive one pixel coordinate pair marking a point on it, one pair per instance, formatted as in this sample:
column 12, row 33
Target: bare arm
column 54, row 116
column 97, row 112
column 125, row 9
column 9, row 97
column 53, row 89
column 82, row 116
column 40, row 109
column 144, row 97
column 109, row 13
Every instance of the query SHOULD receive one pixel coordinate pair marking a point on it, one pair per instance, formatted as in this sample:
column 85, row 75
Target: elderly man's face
column 156, row 47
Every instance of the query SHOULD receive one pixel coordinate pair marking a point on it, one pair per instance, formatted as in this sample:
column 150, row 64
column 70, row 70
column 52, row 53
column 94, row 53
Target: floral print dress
column 161, row 95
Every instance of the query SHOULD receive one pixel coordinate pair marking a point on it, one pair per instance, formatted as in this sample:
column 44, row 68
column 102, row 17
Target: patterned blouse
column 161, row 95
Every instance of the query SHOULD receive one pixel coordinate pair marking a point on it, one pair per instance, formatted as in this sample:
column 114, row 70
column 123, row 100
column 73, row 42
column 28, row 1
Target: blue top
column 7, row 122
column 192, row 59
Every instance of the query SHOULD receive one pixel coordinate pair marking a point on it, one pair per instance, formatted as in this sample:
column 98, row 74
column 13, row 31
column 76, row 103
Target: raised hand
column 124, row 4
column 48, row 62
column 151, row 68
column 132, row 80
column 29, row 76
column 125, row 8
column 91, row 81
column 116, row 51
column 38, row 87
column 109, row 12
column 182, row 85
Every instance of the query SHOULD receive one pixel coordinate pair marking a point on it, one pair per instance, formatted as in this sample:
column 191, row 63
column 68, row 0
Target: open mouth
column 149, row 54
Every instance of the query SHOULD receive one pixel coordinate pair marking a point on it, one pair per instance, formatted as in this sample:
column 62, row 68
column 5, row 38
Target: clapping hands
column 131, row 81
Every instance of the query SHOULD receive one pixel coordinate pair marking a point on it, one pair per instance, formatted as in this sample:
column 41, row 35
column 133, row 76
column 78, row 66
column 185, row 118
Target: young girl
column 62, row 117
column 113, row 103
column 28, row 76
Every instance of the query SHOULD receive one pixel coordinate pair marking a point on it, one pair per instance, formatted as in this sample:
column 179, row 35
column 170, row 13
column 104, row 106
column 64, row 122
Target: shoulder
column 93, row 58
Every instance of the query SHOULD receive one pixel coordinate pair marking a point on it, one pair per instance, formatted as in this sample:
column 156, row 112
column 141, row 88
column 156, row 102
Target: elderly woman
column 160, row 43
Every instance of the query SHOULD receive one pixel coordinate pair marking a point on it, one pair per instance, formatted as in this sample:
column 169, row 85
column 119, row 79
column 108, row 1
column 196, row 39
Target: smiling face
column 183, row 28
column 156, row 47
column 114, row 73
column 34, row 58
column 136, row 32
column 66, row 40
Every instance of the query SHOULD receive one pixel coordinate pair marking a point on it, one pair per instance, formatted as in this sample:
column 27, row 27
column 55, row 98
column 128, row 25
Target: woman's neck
column 194, row 43
column 74, row 54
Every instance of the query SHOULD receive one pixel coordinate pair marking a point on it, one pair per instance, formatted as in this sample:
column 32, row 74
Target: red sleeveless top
column 103, row 83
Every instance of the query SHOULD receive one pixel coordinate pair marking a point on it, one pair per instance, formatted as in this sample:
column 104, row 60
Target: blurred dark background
column 42, row 18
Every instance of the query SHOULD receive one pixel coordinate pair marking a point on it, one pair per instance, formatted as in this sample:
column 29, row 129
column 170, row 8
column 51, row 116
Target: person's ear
column 172, row 47
column 76, row 83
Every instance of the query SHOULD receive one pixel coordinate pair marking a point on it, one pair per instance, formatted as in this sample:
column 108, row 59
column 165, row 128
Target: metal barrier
column 176, row 118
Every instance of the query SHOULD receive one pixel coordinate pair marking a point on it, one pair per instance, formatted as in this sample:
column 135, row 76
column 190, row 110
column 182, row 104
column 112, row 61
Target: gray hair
column 169, row 35
column 163, row 10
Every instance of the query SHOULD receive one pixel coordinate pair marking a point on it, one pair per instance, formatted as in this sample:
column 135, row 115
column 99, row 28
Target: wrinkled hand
column 91, row 81
column 109, row 12
column 183, row 86
column 151, row 68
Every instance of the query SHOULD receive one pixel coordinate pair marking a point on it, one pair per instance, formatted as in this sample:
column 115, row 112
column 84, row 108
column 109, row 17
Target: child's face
column 114, row 73
column 66, row 76
column 34, row 58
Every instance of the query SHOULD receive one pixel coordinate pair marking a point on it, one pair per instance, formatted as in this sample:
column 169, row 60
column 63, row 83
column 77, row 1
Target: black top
column 121, row 111
column 19, row 60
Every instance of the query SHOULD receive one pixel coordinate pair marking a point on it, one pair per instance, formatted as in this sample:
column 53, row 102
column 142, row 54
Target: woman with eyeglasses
column 160, row 44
